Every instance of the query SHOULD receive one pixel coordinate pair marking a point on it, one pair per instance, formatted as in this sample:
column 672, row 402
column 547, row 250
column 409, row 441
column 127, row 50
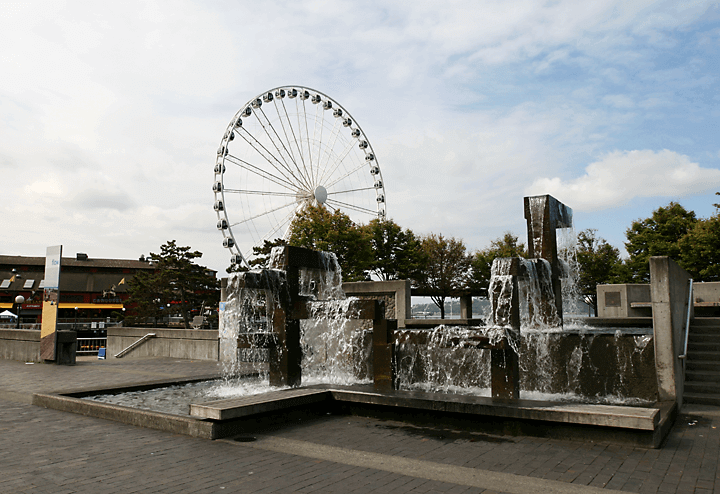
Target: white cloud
column 621, row 176
column 111, row 113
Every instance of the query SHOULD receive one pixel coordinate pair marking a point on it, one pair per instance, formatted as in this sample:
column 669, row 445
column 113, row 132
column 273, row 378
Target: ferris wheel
column 285, row 149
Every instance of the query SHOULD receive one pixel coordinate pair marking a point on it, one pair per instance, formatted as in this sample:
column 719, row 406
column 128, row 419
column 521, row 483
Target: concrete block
column 669, row 286
column 624, row 300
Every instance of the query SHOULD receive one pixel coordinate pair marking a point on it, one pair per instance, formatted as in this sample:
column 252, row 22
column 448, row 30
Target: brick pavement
column 50, row 451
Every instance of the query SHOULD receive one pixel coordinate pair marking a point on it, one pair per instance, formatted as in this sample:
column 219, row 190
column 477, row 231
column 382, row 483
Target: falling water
column 335, row 347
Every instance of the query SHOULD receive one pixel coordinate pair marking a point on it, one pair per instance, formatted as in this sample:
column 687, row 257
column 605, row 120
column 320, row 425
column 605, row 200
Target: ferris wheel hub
column 320, row 194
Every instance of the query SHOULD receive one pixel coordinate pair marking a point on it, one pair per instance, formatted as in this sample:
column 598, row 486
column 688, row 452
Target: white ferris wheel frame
column 305, row 184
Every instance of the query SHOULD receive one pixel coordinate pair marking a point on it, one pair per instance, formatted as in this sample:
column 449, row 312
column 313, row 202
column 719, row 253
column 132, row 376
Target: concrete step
column 704, row 338
column 706, row 321
column 704, row 330
column 704, row 346
column 702, row 376
column 703, row 365
column 702, row 387
column 703, row 355
column 702, row 399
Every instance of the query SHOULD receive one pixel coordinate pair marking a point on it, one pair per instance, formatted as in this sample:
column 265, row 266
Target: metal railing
column 134, row 345
column 90, row 346
column 687, row 323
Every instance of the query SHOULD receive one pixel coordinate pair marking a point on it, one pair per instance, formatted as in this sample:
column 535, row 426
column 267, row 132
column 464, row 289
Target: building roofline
column 73, row 262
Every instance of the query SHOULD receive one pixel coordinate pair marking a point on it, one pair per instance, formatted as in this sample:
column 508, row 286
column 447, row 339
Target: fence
column 90, row 346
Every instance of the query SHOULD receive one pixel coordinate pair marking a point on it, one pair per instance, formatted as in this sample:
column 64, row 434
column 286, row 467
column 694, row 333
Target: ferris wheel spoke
column 339, row 162
column 352, row 206
column 307, row 136
column 285, row 222
column 298, row 138
column 260, row 172
column 270, row 161
column 294, row 203
column 288, row 140
column 260, row 192
column 335, row 133
column 346, row 175
column 320, row 141
column 315, row 126
column 287, row 166
column 350, row 190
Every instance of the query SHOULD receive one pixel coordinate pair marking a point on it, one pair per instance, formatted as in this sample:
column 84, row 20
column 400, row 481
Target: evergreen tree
column 177, row 280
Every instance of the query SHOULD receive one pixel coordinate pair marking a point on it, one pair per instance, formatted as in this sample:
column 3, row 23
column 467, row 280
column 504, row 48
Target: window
column 29, row 283
column 5, row 284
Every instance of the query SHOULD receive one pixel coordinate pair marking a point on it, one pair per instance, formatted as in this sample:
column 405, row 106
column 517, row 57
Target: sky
column 111, row 113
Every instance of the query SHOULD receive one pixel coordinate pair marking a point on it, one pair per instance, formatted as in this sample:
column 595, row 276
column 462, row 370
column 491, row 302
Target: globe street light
column 19, row 300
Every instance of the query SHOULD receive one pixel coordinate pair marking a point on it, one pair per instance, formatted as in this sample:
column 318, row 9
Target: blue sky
column 110, row 115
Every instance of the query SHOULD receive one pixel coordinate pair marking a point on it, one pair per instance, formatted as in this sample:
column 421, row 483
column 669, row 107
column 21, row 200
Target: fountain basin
column 637, row 426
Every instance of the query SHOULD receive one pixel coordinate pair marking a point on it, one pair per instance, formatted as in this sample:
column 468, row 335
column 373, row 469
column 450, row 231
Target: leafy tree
column 397, row 253
column 481, row 262
column 446, row 270
column 658, row 235
column 599, row 263
column 317, row 228
column 176, row 279
column 701, row 249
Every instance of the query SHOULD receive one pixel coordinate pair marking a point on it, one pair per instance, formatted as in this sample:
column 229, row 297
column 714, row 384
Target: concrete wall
column 20, row 344
column 708, row 292
column 175, row 343
column 396, row 294
column 617, row 300
column 669, row 292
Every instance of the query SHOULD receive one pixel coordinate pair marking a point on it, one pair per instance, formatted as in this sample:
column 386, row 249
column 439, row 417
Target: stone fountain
column 294, row 289
column 324, row 353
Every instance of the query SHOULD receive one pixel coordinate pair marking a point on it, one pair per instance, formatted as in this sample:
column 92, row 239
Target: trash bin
column 66, row 347
column 101, row 353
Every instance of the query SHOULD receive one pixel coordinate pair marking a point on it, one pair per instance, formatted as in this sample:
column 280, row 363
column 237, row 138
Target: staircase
column 702, row 372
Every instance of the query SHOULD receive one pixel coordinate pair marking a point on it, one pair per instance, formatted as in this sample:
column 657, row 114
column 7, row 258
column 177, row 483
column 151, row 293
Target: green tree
column 396, row 253
column 176, row 279
column 446, row 270
column 598, row 263
column 147, row 296
column 481, row 262
column 261, row 259
column 700, row 249
column 317, row 228
column 658, row 235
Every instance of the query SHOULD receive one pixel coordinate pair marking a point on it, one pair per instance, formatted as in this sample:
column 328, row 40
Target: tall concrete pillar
column 669, row 285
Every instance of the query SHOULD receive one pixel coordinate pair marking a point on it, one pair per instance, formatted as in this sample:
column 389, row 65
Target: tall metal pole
column 19, row 300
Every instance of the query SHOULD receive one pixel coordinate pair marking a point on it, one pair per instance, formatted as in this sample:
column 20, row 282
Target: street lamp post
column 19, row 300
column 76, row 315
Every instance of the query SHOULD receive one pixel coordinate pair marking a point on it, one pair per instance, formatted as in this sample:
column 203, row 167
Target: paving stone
column 50, row 451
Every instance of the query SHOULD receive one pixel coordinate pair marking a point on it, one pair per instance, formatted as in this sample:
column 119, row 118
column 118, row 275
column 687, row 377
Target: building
column 90, row 289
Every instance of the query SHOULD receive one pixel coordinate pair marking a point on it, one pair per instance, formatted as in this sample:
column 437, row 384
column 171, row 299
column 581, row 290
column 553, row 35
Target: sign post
column 51, row 296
